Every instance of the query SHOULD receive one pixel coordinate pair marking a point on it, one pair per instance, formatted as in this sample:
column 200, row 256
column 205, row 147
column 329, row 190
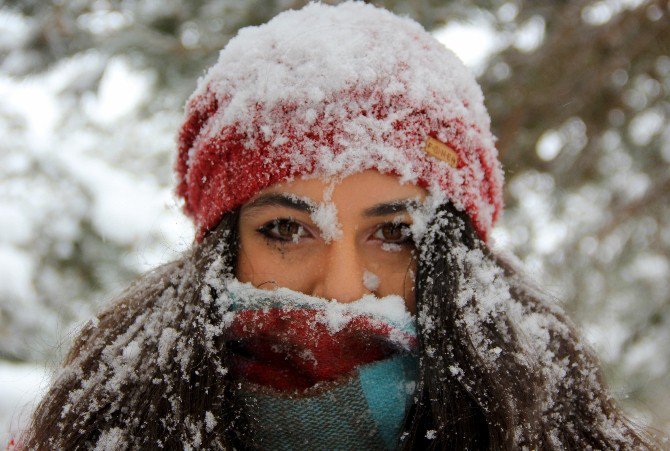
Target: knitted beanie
column 327, row 91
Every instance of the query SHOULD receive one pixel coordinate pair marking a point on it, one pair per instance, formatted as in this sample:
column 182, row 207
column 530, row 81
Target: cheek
column 256, row 259
column 396, row 274
column 261, row 261
column 243, row 268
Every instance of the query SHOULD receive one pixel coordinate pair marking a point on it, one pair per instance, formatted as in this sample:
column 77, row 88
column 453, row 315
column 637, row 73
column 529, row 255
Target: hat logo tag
column 440, row 150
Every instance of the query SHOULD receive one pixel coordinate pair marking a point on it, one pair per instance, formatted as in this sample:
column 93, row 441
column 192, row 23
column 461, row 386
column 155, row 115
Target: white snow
column 15, row 30
column 323, row 214
column 21, row 385
column 353, row 47
column 391, row 247
column 110, row 440
column 530, row 34
column 473, row 41
column 69, row 180
column 370, row 280
column 325, row 217
column 549, row 145
column 16, row 275
column 424, row 212
column 646, row 125
column 336, row 315
column 210, row 421
column 108, row 106
column 166, row 344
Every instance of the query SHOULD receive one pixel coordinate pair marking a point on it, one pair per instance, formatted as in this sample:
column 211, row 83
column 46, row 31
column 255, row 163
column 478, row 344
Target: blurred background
column 92, row 92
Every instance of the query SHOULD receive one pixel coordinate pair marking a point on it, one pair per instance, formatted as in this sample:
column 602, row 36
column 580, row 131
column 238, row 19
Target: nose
column 341, row 275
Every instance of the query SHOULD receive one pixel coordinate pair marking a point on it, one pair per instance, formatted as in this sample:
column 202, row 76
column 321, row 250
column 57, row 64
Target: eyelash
column 405, row 230
column 267, row 231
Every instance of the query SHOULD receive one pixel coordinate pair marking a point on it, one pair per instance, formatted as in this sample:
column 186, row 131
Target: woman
column 340, row 170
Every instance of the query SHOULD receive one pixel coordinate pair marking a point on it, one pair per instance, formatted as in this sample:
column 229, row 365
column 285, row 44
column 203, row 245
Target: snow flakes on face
column 370, row 280
column 325, row 216
column 391, row 247
column 166, row 334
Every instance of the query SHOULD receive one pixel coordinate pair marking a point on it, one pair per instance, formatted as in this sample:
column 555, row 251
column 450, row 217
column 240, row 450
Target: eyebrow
column 390, row 208
column 293, row 202
column 280, row 200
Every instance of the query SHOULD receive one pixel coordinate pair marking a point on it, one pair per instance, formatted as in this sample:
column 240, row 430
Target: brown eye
column 287, row 229
column 392, row 232
column 283, row 229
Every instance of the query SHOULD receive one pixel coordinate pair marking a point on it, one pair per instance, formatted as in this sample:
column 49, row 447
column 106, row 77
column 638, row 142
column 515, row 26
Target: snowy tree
column 581, row 116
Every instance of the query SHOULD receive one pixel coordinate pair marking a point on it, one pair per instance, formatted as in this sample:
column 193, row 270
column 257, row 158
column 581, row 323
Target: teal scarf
column 363, row 412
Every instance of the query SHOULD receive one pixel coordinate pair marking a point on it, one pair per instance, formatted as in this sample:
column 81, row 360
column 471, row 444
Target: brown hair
column 150, row 371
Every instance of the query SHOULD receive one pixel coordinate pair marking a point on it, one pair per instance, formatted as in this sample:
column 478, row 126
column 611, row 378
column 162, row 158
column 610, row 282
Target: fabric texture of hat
column 328, row 91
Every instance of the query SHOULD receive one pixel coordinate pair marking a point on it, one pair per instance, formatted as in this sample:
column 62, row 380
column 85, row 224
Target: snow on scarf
column 322, row 375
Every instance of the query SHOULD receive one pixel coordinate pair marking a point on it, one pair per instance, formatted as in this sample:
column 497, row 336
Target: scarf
column 317, row 374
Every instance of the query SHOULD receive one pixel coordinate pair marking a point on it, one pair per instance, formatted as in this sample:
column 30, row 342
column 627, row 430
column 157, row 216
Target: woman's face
column 281, row 245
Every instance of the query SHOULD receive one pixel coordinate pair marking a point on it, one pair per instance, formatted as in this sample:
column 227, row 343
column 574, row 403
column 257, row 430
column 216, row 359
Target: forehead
column 356, row 191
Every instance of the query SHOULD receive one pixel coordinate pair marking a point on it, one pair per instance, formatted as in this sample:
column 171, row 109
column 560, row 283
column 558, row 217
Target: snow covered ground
column 20, row 386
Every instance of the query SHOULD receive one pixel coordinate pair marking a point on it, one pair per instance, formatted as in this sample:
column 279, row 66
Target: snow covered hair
column 329, row 91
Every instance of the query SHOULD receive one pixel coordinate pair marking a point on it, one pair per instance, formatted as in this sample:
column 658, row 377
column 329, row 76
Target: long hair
column 500, row 366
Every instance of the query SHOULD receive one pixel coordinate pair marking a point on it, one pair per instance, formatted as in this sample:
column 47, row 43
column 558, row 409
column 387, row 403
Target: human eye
column 283, row 230
column 394, row 233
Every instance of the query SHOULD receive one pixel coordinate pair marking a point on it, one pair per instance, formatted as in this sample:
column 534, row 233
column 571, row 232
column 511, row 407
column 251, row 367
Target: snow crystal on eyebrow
column 324, row 214
column 305, row 199
column 325, row 217
column 370, row 280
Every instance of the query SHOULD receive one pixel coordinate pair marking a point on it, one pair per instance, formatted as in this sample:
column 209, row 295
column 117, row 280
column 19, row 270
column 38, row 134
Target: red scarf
column 293, row 349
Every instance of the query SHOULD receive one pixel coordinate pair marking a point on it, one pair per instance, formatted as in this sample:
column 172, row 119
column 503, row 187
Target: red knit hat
column 329, row 91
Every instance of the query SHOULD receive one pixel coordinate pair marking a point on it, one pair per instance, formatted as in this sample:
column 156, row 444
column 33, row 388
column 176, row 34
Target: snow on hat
column 329, row 91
